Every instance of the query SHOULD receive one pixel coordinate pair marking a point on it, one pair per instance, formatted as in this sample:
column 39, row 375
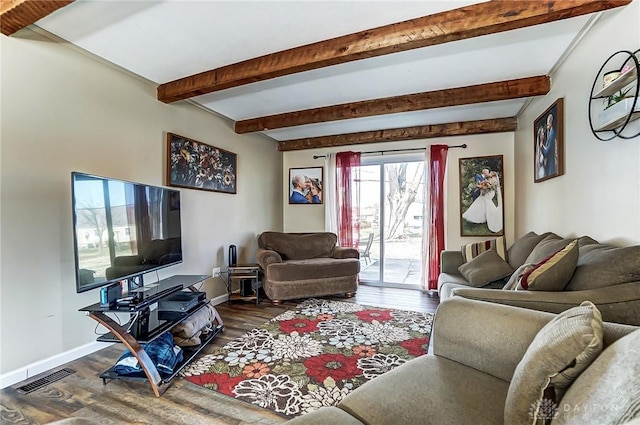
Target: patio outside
column 401, row 263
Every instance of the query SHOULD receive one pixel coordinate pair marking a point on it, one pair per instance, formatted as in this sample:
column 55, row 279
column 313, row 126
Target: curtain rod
column 464, row 146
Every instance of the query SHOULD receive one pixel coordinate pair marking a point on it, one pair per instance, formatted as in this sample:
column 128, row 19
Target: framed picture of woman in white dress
column 481, row 202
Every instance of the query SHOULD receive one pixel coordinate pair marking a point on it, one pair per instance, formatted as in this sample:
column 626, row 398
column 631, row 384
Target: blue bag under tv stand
column 145, row 326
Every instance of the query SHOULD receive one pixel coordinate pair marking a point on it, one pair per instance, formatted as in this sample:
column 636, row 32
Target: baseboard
column 26, row 372
column 220, row 299
column 35, row 368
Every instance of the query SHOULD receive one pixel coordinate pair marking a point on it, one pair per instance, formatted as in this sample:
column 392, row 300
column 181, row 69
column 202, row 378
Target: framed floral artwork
column 548, row 143
column 195, row 165
column 481, row 202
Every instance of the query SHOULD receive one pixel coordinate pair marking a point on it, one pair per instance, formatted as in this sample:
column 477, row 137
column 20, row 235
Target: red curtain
column 348, row 198
column 435, row 203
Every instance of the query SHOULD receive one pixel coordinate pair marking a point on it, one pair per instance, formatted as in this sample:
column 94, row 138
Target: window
column 391, row 205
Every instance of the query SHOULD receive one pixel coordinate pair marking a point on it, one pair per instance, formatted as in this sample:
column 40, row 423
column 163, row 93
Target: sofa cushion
column 546, row 247
column 520, row 250
column 561, row 350
column 608, row 392
column 429, row 390
column 315, row 268
column 299, row 246
column 552, row 273
column 472, row 250
column 601, row 265
column 485, row 268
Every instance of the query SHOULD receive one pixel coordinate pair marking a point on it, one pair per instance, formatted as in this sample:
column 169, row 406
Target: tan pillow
column 562, row 349
column 472, row 250
column 609, row 391
column 554, row 272
column 485, row 268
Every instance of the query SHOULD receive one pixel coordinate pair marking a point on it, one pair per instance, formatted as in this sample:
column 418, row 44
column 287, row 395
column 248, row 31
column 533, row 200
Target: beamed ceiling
column 311, row 74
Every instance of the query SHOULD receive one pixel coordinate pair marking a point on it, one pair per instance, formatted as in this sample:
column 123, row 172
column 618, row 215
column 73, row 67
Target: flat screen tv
column 122, row 230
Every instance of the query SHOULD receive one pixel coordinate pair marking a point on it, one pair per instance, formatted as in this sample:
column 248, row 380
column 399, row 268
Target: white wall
column 63, row 111
column 310, row 218
column 599, row 194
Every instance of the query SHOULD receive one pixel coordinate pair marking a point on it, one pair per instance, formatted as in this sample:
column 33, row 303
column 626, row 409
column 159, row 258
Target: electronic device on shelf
column 122, row 230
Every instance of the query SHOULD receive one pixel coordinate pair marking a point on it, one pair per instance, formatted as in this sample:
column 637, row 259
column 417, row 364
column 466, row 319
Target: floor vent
column 38, row 383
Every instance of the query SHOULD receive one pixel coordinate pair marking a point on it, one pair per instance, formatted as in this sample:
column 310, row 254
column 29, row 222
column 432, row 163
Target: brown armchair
column 302, row 265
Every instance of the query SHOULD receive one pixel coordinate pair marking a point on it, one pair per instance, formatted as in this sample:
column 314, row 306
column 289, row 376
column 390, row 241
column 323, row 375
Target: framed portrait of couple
column 481, row 201
column 305, row 185
column 548, row 143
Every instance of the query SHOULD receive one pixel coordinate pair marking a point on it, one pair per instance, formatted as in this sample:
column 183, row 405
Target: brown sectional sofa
column 606, row 275
column 302, row 265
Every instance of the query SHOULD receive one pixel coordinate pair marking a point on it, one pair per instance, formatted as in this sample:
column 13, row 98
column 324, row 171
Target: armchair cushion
column 485, row 268
column 299, row 246
column 562, row 349
column 313, row 268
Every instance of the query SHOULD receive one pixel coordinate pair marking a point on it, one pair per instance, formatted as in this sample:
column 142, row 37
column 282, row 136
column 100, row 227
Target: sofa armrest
column 450, row 261
column 491, row 338
column 617, row 303
column 266, row 257
column 342, row 253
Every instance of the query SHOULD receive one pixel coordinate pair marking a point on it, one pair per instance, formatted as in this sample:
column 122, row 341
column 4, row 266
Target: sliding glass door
column 391, row 230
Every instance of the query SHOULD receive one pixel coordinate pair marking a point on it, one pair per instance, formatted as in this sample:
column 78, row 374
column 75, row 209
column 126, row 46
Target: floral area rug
column 313, row 356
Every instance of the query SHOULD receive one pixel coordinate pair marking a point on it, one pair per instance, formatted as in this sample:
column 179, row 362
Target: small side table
column 246, row 278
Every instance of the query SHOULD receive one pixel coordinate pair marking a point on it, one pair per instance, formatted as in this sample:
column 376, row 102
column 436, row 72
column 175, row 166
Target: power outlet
column 216, row 272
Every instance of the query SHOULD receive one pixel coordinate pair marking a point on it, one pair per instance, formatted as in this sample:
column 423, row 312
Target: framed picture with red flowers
column 196, row 165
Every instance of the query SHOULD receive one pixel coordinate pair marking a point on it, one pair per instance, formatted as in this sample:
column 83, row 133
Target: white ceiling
column 166, row 40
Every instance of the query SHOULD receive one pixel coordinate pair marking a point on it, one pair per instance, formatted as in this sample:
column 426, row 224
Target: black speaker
column 233, row 255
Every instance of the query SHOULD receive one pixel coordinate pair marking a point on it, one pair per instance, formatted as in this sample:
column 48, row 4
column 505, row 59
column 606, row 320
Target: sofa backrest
column 299, row 246
column 601, row 265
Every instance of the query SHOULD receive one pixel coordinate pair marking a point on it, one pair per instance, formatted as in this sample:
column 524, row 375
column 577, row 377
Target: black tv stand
column 144, row 326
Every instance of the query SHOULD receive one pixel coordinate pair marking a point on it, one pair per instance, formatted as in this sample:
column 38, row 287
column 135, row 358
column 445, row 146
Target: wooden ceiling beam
column 18, row 14
column 489, row 92
column 498, row 125
column 452, row 25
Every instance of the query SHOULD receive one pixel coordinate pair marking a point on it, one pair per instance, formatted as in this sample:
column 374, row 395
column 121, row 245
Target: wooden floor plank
column 82, row 394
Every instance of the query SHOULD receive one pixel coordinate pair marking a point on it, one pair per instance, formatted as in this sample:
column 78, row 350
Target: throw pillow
column 521, row 248
column 609, row 391
column 485, row 268
column 562, row 349
column 472, row 250
column 553, row 273
column 512, row 283
column 546, row 247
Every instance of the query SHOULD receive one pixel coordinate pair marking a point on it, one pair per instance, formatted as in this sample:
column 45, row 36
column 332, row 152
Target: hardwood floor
column 82, row 394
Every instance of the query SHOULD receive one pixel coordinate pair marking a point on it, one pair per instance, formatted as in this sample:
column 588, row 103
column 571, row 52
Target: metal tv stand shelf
column 145, row 326
column 246, row 277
